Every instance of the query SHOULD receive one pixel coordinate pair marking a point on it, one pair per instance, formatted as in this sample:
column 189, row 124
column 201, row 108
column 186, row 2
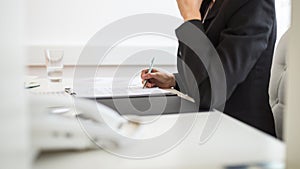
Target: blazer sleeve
column 179, row 85
column 242, row 41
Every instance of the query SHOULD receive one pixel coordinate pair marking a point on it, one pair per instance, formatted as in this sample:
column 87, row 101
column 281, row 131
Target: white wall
column 75, row 21
column 283, row 10
column 14, row 133
column 69, row 24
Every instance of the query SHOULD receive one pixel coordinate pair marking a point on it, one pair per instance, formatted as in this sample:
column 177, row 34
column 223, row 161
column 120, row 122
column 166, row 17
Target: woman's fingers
column 145, row 71
column 150, row 76
column 150, row 85
column 153, row 75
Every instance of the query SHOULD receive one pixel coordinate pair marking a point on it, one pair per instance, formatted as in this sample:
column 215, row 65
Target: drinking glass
column 54, row 63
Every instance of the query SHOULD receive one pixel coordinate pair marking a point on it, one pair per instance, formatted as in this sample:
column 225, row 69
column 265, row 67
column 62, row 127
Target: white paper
column 109, row 92
column 123, row 87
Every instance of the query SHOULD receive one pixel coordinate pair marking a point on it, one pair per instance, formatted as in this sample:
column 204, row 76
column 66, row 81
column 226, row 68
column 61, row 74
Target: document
column 122, row 88
column 109, row 92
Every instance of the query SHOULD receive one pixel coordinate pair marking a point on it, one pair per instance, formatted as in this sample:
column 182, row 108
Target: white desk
column 174, row 104
column 232, row 143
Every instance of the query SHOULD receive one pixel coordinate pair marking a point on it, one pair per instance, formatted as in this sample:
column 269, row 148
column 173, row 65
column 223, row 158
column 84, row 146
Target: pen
column 149, row 71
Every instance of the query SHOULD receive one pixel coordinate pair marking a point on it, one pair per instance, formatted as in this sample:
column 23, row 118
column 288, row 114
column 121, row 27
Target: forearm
column 189, row 9
column 193, row 15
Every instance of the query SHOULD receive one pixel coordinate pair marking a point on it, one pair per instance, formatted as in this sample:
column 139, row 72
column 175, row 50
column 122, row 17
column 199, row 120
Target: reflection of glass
column 54, row 64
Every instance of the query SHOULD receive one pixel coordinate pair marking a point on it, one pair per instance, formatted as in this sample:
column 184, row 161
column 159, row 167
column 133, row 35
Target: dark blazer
column 243, row 32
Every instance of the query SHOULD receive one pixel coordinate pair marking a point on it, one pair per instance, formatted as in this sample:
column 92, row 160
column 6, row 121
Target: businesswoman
column 243, row 32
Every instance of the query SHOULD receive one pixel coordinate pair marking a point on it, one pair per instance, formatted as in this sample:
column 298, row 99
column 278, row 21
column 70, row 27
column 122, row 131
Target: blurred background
column 69, row 24
column 30, row 26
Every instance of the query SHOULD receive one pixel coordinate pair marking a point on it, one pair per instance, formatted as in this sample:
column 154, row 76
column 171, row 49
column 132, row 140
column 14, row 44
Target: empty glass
column 54, row 63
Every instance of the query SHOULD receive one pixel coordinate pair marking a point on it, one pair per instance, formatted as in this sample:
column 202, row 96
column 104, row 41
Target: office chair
column 277, row 90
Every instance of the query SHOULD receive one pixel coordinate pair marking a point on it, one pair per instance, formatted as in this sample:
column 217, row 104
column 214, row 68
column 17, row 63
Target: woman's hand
column 190, row 9
column 158, row 79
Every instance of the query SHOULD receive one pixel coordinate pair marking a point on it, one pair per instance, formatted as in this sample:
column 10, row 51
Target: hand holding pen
column 156, row 78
